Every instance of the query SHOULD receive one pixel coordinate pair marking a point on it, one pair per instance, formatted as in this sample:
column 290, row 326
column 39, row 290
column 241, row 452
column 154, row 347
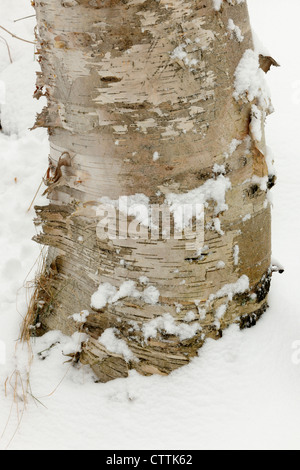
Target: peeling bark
column 117, row 93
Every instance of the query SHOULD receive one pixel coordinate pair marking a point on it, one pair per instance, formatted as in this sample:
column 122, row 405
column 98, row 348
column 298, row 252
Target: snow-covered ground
column 242, row 392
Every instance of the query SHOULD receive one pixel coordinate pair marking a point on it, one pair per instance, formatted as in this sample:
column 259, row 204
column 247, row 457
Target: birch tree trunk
column 127, row 80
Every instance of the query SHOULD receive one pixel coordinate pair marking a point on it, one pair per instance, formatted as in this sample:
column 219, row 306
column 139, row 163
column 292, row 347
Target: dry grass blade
column 40, row 297
column 24, row 18
column 20, row 393
column 16, row 37
column 18, row 384
column 37, row 191
column 8, row 49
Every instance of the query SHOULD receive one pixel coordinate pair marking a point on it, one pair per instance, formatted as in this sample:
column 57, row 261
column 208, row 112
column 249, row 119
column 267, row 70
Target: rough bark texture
column 115, row 96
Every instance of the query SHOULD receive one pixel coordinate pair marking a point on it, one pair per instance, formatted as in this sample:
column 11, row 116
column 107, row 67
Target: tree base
column 161, row 355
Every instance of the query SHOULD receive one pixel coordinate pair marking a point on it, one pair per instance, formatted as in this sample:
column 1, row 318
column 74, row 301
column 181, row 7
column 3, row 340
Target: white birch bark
column 119, row 90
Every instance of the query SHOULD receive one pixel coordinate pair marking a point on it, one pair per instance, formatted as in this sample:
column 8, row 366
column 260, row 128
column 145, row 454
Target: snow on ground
column 242, row 392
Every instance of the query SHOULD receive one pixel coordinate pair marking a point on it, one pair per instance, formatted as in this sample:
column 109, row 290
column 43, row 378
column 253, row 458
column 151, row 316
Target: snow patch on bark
column 150, row 295
column 270, row 162
column 250, row 83
column 167, row 324
column 181, row 54
column 262, row 182
column 138, row 205
column 247, row 217
column 219, row 169
column 256, row 123
column 217, row 224
column 80, row 317
column 212, row 190
column 115, row 345
column 221, row 311
column 230, row 290
column 74, row 345
column 235, row 31
column 221, row 265
column 220, row 314
column 234, row 144
column 190, row 316
column 236, row 255
column 218, row 3
column 108, row 294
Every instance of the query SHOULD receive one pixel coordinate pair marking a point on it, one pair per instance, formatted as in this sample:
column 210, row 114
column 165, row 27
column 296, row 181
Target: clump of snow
column 218, row 3
column 270, row 162
column 220, row 314
column 256, row 123
column 221, row 265
column 103, row 296
column 108, row 294
column 201, row 311
column 74, row 345
column 134, row 326
column 230, row 290
column 156, row 156
column 235, row 31
column 178, row 307
column 217, row 226
column 181, row 54
column 115, row 345
column 211, row 190
column 221, row 311
column 127, row 289
column 219, row 169
column 234, row 144
column 250, row 81
column 151, row 295
column 190, row 316
column 235, row 2
column 247, row 217
column 167, row 324
column 262, row 182
column 80, row 317
column 236, row 254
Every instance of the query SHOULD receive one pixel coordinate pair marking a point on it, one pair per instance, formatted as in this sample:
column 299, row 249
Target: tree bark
column 125, row 79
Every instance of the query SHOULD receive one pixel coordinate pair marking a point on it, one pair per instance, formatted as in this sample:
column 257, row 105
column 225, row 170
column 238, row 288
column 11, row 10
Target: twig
column 16, row 37
column 8, row 49
column 35, row 196
column 24, row 18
